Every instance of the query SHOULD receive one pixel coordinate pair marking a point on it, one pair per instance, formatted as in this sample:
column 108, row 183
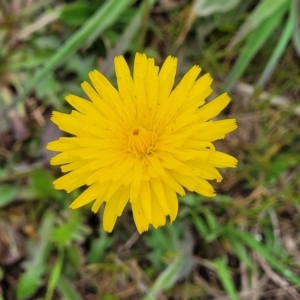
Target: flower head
column 142, row 143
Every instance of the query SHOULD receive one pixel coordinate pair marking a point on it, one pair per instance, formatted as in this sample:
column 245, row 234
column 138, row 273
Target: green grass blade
column 296, row 36
column 239, row 250
column 105, row 16
column 226, row 278
column 35, row 267
column 169, row 276
column 67, row 289
column 128, row 35
column 55, row 274
column 264, row 10
column 99, row 247
column 268, row 255
column 279, row 49
column 200, row 225
column 254, row 42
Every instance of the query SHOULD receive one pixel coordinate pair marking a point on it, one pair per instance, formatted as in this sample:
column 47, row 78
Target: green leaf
column 7, row 194
column 225, row 278
column 279, row 49
column 98, row 248
column 255, row 41
column 81, row 66
column 296, row 36
column 75, row 14
column 125, row 40
column 67, row 290
column 42, row 183
column 67, row 231
column 36, row 266
column 265, row 9
column 74, row 259
column 213, row 225
column 267, row 254
column 169, row 276
column 48, row 89
column 200, row 224
column 55, row 275
column 239, row 250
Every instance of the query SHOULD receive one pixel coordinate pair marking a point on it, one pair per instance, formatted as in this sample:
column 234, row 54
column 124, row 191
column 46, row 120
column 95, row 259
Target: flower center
column 141, row 141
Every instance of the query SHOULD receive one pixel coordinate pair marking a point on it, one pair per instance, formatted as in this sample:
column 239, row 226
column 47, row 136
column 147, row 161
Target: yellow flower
column 144, row 142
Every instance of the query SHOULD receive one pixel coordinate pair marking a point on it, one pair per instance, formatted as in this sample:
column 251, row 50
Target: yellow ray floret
column 143, row 142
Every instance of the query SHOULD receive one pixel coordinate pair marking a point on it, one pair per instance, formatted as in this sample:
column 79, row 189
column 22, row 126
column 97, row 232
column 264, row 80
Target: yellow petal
column 159, row 218
column 104, row 88
column 201, row 85
column 170, row 181
column 204, row 170
column 123, row 196
column 172, row 200
column 158, row 189
column 64, row 181
column 211, row 131
column 203, row 187
column 110, row 214
column 60, row 159
column 178, row 96
column 86, row 197
column 151, row 86
column 139, row 218
column 213, row 108
column 114, row 187
column 124, row 79
column 103, row 187
column 166, row 78
column 59, row 146
column 222, row 160
column 145, row 200
column 194, row 183
column 156, row 164
column 73, row 166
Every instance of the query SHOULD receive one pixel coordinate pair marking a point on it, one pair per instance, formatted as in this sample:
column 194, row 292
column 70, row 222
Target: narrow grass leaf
column 200, row 225
column 55, row 274
column 127, row 36
column 264, row 10
column 254, row 42
column 161, row 242
column 226, row 278
column 67, row 289
column 211, row 220
column 36, row 266
column 279, row 49
column 239, row 250
column 267, row 254
column 296, row 37
column 98, row 247
column 167, row 278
